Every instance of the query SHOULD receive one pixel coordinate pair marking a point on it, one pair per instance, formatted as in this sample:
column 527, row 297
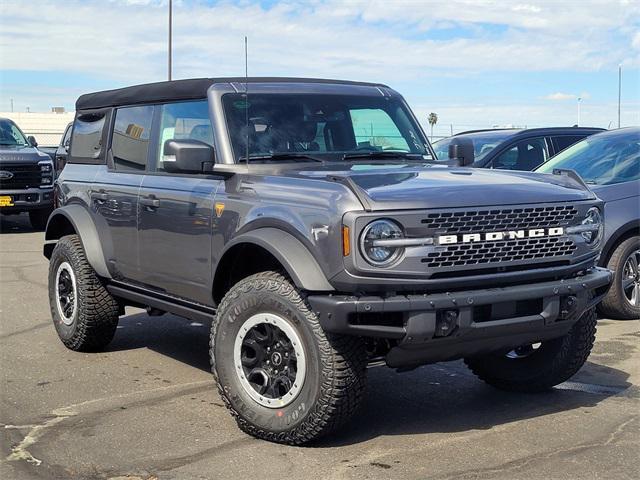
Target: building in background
column 46, row 127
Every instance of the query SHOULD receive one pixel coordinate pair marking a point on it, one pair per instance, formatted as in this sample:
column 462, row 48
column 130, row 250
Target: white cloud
column 375, row 40
column 560, row 96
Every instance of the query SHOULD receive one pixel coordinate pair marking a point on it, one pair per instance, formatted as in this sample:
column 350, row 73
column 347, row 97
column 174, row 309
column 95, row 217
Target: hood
column 443, row 187
column 10, row 154
column 617, row 191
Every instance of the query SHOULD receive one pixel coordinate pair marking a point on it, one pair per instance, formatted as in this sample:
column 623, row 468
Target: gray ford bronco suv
column 304, row 220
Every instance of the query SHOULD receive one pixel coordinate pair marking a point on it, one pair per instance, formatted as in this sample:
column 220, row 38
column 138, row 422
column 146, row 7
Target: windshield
column 320, row 126
column 602, row 159
column 482, row 145
column 10, row 134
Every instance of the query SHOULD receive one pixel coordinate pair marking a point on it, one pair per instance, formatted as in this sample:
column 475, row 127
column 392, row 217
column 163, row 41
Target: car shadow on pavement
column 18, row 223
column 440, row 398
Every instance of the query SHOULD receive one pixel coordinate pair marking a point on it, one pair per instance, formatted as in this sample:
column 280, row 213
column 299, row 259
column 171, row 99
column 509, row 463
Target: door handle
column 100, row 195
column 150, row 201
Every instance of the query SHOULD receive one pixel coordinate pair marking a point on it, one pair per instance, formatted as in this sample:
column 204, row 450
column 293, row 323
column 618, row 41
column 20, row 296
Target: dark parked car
column 515, row 149
column 609, row 163
column 270, row 208
column 26, row 176
column 59, row 154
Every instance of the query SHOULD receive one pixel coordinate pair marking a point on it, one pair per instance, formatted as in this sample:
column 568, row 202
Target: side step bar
column 140, row 296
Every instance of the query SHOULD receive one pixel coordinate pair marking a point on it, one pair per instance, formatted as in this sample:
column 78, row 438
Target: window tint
column 374, row 128
column 130, row 143
column 601, row 159
column 67, row 136
column 524, row 155
column 10, row 134
column 563, row 141
column 186, row 120
column 86, row 140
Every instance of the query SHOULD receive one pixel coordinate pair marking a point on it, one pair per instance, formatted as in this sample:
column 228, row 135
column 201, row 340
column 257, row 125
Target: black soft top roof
column 182, row 90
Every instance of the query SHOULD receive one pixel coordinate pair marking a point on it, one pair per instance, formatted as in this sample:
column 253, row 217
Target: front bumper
column 486, row 319
column 28, row 199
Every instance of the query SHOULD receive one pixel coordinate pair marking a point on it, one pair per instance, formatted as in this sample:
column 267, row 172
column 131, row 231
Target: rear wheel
column 540, row 366
column 622, row 302
column 84, row 312
column 282, row 377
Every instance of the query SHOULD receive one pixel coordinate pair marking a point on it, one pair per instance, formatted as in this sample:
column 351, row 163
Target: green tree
column 433, row 119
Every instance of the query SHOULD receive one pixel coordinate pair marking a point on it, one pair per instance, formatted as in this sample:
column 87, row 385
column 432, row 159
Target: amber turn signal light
column 346, row 242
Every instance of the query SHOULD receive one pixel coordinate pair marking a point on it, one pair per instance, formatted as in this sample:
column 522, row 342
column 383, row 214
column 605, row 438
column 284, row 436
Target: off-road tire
column 336, row 364
column 615, row 304
column 554, row 362
column 38, row 218
column 96, row 317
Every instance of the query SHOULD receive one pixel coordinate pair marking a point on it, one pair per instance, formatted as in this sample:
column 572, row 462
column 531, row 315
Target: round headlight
column 374, row 242
column 593, row 218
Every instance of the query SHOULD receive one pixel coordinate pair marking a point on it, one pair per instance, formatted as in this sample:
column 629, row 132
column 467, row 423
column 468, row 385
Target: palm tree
column 433, row 119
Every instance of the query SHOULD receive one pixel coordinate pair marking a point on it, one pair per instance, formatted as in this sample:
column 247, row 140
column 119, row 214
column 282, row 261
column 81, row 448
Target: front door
column 176, row 212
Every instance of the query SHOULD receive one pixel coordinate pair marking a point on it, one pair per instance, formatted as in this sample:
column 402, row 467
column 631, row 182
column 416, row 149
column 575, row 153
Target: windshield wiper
column 281, row 156
column 377, row 154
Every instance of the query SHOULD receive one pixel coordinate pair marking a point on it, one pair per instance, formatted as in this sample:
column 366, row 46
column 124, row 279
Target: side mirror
column 461, row 152
column 187, row 156
column 32, row 141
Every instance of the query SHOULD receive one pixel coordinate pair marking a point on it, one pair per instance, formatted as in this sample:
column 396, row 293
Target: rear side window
column 131, row 134
column 86, row 140
column 182, row 121
column 563, row 141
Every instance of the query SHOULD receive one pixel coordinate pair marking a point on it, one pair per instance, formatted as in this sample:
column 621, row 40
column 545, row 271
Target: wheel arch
column 268, row 248
column 75, row 219
column 623, row 233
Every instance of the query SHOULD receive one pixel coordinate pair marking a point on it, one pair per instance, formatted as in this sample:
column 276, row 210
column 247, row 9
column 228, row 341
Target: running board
column 195, row 312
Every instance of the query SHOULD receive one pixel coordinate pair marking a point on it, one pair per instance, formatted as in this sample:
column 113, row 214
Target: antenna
column 246, row 94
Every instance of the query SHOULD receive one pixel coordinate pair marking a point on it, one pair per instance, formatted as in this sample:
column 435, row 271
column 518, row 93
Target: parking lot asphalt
column 146, row 408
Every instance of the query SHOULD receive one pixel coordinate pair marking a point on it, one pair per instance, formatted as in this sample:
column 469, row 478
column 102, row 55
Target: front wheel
column 540, row 366
column 281, row 376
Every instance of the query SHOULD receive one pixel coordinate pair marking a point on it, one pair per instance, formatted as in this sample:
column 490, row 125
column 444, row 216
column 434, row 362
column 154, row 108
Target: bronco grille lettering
column 499, row 236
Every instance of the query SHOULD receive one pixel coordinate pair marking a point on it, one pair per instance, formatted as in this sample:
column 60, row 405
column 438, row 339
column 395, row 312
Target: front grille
column 480, row 253
column 496, row 220
column 24, row 176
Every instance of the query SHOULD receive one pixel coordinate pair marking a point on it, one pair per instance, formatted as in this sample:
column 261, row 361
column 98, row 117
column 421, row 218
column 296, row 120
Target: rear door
column 114, row 193
column 176, row 211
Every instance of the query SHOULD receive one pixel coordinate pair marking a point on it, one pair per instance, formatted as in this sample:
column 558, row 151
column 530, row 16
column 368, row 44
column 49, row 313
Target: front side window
column 131, row 133
column 524, row 155
column 602, row 160
column 322, row 126
column 10, row 135
column 87, row 136
column 184, row 120
column 565, row 141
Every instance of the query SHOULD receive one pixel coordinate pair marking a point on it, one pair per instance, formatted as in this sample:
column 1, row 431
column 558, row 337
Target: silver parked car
column 609, row 163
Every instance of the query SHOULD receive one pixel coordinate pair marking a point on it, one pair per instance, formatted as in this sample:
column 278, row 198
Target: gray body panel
column 165, row 240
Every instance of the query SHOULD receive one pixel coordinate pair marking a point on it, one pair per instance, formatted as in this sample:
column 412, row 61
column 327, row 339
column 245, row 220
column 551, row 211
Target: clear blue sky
column 475, row 63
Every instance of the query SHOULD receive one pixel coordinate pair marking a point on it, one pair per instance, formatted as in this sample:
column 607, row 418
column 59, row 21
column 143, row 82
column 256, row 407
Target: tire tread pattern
column 97, row 316
column 343, row 360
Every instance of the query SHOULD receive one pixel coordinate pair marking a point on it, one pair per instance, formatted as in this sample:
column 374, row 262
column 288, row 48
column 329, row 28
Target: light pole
column 579, row 102
column 619, row 91
column 170, row 27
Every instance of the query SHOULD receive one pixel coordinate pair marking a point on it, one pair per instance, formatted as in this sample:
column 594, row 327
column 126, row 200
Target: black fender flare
column 80, row 220
column 296, row 259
